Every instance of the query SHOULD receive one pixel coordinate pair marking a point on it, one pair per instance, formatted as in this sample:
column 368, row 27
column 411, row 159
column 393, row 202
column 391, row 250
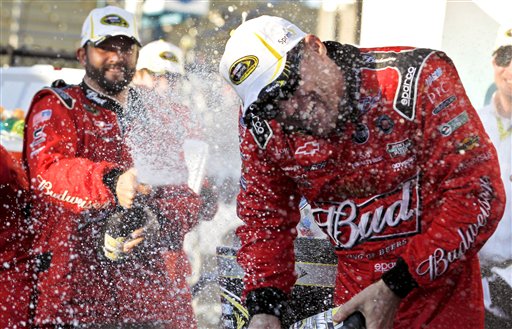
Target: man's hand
column 127, row 188
column 377, row 303
column 264, row 321
column 136, row 238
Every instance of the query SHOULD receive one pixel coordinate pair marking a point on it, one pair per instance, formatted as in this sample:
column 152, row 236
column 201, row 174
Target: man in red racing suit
column 79, row 165
column 407, row 188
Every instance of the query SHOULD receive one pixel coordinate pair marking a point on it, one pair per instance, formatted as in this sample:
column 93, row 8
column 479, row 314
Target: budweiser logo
column 384, row 216
column 441, row 259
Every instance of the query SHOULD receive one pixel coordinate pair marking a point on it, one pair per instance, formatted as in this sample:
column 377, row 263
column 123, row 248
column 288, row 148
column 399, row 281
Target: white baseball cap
column 255, row 55
column 504, row 37
column 109, row 21
column 161, row 57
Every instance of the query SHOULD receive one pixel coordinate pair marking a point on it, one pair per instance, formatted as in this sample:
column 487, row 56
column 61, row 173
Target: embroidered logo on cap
column 115, row 20
column 242, row 68
column 169, row 56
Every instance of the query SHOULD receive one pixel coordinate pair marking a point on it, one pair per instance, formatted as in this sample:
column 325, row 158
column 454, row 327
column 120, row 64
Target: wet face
column 502, row 64
column 314, row 106
column 111, row 64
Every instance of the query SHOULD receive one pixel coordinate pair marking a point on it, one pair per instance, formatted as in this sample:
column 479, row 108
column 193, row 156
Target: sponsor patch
column 261, row 131
column 448, row 128
column 361, row 135
column 41, row 117
column 36, row 151
column 39, row 138
column 242, row 69
column 169, row 56
column 115, row 20
column 399, row 148
column 103, row 126
column 243, row 183
column 408, row 163
column 383, row 267
column 384, row 216
column 468, row 143
column 385, row 124
column 434, row 76
column 309, row 148
column 440, row 260
column 444, row 104
column 368, row 103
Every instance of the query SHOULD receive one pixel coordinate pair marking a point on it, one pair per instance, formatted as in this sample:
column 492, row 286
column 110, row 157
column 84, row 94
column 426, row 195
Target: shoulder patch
column 68, row 101
column 261, row 131
column 409, row 64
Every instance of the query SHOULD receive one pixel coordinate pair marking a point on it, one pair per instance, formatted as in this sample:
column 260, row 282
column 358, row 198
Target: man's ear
column 81, row 54
column 314, row 43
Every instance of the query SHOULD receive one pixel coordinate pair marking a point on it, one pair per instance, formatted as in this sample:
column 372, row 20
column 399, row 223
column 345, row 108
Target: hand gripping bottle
column 324, row 321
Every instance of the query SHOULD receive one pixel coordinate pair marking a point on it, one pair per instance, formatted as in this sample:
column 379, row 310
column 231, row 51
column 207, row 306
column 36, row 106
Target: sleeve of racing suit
column 268, row 205
column 462, row 193
column 50, row 148
column 180, row 207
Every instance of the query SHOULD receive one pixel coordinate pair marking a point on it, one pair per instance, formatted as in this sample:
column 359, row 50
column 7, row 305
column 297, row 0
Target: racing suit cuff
column 110, row 179
column 399, row 280
column 266, row 301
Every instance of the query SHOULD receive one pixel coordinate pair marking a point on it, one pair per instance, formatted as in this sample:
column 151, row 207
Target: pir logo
column 385, row 216
column 115, row 20
column 242, row 68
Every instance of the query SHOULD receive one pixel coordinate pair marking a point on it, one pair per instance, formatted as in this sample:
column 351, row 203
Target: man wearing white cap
column 99, row 232
column 385, row 146
column 496, row 254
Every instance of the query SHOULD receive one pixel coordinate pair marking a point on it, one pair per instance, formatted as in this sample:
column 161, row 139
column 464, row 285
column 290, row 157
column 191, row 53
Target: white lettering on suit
column 439, row 261
column 47, row 188
column 341, row 218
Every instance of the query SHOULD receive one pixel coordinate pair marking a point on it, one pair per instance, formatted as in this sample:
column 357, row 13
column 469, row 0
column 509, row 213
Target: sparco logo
column 407, row 86
column 384, row 216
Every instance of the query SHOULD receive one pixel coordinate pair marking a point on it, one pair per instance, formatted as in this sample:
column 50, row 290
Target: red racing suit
column 412, row 180
column 15, row 240
column 73, row 141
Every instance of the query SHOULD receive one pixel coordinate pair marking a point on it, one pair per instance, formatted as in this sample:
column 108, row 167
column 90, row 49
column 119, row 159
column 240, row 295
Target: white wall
column 468, row 38
column 402, row 23
column 460, row 28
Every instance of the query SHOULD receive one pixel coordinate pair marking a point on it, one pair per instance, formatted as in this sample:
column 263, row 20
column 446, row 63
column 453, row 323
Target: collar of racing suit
column 106, row 102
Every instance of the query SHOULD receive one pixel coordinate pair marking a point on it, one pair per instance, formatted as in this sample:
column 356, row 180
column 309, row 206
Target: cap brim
column 101, row 39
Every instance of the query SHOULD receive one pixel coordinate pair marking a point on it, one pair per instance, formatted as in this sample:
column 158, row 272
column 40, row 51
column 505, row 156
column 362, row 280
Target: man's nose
column 115, row 54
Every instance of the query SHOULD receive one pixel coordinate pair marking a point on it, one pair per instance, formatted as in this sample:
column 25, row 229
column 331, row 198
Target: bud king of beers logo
column 385, row 216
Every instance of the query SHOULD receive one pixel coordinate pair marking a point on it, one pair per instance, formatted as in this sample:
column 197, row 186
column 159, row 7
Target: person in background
column 100, row 232
column 496, row 254
column 160, row 73
column 16, row 282
column 386, row 147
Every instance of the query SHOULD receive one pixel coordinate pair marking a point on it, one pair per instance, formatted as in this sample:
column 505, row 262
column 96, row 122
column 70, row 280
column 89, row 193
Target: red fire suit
column 15, row 239
column 73, row 140
column 411, row 179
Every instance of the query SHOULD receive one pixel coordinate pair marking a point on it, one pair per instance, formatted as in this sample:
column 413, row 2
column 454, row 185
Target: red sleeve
column 12, row 175
column 15, row 237
column 50, row 151
column 269, row 207
column 180, row 206
column 463, row 196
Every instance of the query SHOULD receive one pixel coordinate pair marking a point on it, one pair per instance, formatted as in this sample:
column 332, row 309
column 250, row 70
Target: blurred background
column 38, row 40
